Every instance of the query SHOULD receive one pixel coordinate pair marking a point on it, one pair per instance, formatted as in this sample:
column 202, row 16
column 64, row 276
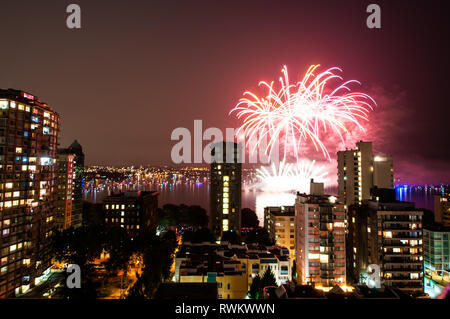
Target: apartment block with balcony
column 395, row 241
column 280, row 224
column 320, row 240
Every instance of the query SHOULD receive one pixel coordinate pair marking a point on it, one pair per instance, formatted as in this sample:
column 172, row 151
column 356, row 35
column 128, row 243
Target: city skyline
column 161, row 73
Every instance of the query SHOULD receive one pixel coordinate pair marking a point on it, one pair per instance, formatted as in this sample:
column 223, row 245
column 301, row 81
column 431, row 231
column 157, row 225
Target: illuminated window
column 225, row 224
column 9, row 185
column 226, row 178
column 3, row 105
column 313, row 256
column 387, row 234
column 225, row 211
column 225, row 200
column 414, row 275
column 46, row 160
column 18, row 150
column 323, row 258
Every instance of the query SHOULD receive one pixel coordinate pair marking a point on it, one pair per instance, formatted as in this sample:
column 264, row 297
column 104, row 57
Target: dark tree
column 261, row 236
column 255, row 288
column 268, row 279
column 199, row 236
column 93, row 214
column 183, row 216
column 249, row 219
column 79, row 246
column 120, row 248
column 158, row 258
column 231, row 237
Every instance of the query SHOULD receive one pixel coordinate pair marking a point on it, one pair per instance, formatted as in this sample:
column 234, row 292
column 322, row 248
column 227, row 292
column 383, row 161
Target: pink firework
column 297, row 113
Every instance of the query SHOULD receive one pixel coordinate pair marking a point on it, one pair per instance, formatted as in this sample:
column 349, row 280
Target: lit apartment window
column 225, row 225
column 3, row 105
column 414, row 275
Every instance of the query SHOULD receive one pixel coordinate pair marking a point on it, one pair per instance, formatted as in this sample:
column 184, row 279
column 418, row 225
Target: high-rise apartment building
column 28, row 145
column 388, row 233
column 442, row 209
column 320, row 239
column 226, row 187
column 132, row 210
column 280, row 224
column 64, row 190
column 359, row 170
column 76, row 151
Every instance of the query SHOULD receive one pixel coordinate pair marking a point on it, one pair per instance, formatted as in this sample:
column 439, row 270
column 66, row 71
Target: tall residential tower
column 28, row 145
column 226, row 187
column 359, row 170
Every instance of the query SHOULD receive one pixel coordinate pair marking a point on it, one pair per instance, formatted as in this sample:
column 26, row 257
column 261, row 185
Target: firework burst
column 305, row 111
column 288, row 177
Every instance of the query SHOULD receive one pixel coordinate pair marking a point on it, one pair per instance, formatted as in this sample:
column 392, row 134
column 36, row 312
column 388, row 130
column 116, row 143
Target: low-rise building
column 132, row 210
column 233, row 267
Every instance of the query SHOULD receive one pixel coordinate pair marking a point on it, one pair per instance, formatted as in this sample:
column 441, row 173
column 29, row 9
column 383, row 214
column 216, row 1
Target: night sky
column 138, row 69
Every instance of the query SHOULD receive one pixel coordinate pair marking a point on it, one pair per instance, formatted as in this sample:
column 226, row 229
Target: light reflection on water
column 198, row 194
column 422, row 196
